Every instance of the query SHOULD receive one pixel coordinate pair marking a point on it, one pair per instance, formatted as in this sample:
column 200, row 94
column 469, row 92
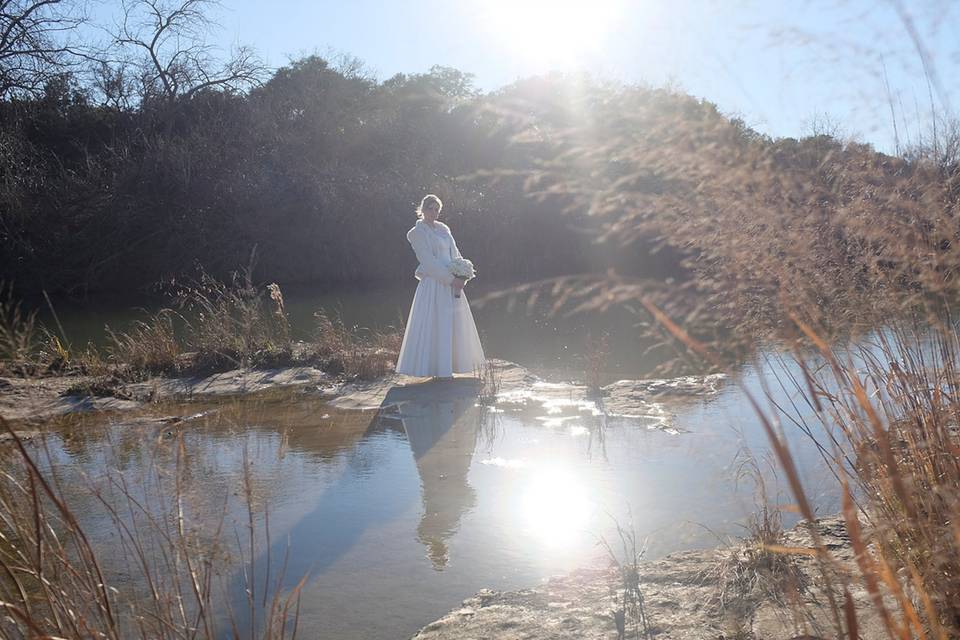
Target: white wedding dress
column 441, row 337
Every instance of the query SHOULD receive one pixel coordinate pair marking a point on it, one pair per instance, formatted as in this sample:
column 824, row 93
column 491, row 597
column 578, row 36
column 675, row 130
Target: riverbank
column 27, row 400
column 688, row 595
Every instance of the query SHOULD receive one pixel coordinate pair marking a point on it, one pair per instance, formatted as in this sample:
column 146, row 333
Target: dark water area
column 552, row 344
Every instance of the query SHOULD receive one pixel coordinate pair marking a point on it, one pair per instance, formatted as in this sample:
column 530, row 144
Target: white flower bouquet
column 463, row 269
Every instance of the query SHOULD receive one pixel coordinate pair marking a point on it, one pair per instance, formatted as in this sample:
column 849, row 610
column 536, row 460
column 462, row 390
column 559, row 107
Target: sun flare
column 555, row 507
column 551, row 31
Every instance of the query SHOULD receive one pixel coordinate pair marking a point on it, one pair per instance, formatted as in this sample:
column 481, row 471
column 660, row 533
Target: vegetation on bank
column 211, row 326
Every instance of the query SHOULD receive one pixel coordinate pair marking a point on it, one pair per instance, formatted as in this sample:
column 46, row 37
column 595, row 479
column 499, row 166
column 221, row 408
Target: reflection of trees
column 442, row 432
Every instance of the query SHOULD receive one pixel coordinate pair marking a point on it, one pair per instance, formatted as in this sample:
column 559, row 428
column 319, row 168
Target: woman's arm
column 458, row 283
column 453, row 242
column 429, row 265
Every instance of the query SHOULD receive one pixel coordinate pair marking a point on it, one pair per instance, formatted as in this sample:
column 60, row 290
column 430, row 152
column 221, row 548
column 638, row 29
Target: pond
column 395, row 515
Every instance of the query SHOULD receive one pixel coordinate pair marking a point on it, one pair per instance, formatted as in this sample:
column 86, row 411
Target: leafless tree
column 37, row 41
column 168, row 44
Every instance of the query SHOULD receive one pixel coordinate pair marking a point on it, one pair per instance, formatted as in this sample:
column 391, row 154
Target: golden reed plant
column 847, row 256
column 889, row 412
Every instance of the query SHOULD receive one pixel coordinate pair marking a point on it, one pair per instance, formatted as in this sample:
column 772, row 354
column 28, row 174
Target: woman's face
column 431, row 210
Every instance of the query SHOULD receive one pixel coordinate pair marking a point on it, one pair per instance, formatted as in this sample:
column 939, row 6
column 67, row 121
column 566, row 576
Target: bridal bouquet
column 463, row 269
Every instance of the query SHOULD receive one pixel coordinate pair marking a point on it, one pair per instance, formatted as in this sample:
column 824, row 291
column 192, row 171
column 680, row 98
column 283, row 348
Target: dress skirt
column 441, row 337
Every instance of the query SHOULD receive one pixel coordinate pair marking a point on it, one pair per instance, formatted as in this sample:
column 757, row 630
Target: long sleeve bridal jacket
column 441, row 337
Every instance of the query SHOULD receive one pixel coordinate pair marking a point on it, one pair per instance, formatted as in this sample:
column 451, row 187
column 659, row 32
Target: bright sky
column 777, row 64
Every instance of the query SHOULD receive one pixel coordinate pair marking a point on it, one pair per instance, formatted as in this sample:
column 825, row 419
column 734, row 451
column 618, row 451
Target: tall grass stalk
column 174, row 584
column 19, row 332
column 629, row 604
column 890, row 410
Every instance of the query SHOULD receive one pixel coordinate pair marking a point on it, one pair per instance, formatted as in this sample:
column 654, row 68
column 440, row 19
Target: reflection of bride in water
column 442, row 430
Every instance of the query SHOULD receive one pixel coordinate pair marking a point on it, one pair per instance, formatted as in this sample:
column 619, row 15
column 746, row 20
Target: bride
column 441, row 337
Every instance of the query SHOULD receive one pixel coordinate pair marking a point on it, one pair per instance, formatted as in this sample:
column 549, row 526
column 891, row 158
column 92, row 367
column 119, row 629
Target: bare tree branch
column 37, row 42
column 167, row 42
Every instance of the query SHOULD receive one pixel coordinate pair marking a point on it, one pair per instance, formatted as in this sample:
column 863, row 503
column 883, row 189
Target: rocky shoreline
column 31, row 400
column 28, row 401
column 687, row 595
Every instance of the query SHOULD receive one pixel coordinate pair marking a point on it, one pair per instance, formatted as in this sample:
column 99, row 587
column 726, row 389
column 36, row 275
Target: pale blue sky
column 777, row 64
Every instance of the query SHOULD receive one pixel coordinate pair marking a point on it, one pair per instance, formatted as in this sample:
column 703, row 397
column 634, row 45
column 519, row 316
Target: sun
column 555, row 507
column 551, row 31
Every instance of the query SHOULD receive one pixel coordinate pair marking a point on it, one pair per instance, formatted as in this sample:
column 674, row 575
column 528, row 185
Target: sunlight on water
column 555, row 507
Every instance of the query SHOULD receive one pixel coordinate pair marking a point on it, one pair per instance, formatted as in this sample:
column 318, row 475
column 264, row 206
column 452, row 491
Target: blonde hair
column 428, row 198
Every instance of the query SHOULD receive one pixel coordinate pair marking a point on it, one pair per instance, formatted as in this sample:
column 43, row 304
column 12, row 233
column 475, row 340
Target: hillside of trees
column 120, row 172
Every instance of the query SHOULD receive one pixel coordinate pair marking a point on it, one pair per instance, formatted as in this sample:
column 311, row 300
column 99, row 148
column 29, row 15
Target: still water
column 552, row 344
column 396, row 515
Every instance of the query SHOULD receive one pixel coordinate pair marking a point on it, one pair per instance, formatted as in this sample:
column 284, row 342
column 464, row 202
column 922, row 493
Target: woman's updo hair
column 427, row 200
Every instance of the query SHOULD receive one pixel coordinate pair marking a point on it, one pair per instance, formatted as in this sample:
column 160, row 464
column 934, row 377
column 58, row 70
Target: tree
column 36, row 43
column 167, row 44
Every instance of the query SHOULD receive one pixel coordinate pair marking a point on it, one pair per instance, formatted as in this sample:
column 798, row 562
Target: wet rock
column 236, row 382
column 508, row 386
column 504, row 386
column 41, row 398
column 26, row 399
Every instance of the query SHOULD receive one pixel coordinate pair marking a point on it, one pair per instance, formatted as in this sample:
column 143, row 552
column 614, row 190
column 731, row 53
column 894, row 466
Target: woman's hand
column 457, row 285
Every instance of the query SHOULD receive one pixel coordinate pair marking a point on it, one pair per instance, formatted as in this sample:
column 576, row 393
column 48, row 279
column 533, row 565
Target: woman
column 441, row 338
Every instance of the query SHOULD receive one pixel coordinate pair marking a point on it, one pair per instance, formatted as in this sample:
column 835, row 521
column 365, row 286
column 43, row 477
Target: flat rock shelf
column 685, row 595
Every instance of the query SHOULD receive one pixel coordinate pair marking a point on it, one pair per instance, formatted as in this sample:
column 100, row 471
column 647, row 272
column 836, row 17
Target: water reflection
column 372, row 489
column 397, row 514
column 441, row 427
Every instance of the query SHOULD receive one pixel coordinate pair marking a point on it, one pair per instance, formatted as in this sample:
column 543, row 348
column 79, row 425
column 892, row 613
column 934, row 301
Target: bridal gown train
column 441, row 337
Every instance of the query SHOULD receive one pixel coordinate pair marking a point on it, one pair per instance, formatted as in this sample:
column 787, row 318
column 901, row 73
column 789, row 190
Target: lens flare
column 555, row 507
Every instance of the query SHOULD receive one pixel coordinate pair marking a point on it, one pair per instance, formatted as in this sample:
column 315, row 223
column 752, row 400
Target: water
column 553, row 345
column 397, row 515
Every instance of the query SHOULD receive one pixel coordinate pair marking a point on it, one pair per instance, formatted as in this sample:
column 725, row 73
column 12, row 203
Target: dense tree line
column 317, row 167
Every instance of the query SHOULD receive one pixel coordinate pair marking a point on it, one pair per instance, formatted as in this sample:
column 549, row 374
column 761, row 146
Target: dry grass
column 216, row 326
column 149, row 347
column 231, row 325
column 629, row 612
column 53, row 583
column 596, row 355
column 816, row 242
column 491, row 382
column 353, row 352
column 753, row 570
column 19, row 332
column 890, row 410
